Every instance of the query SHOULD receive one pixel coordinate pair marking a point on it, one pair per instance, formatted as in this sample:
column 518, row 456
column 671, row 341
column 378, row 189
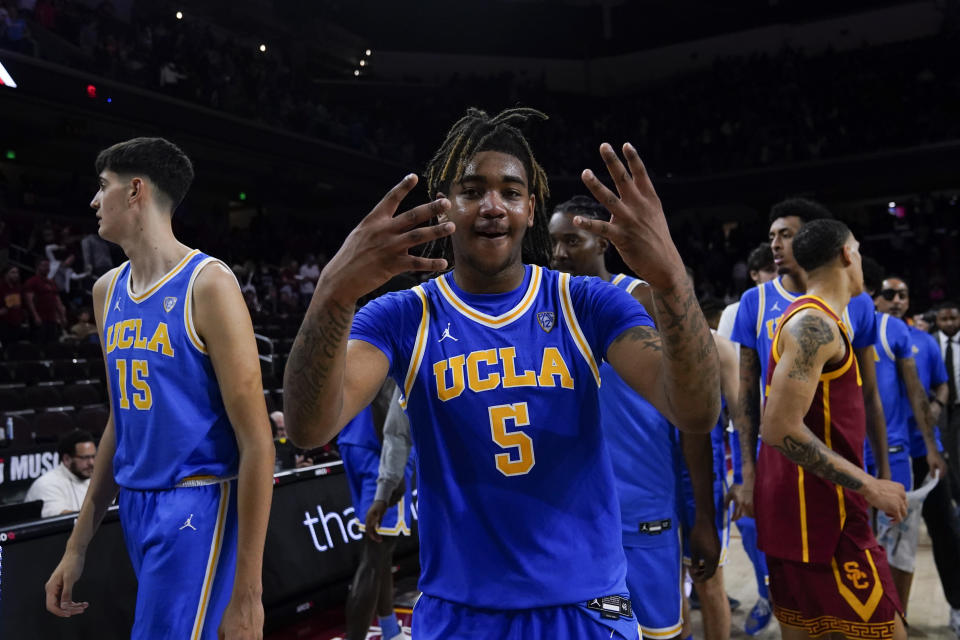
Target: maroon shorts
column 853, row 595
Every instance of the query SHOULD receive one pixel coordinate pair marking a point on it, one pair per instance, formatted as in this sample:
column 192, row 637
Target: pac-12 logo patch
column 547, row 320
column 168, row 303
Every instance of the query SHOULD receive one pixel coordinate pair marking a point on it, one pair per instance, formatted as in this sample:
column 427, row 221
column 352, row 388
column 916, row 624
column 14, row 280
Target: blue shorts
column 689, row 511
column 439, row 619
column 183, row 547
column 655, row 581
column 362, row 466
column 901, row 466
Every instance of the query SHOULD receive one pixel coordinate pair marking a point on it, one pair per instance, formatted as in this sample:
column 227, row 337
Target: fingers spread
column 600, row 191
column 621, row 177
column 395, row 196
column 421, row 235
column 599, row 227
column 423, row 213
column 640, row 177
column 416, row 263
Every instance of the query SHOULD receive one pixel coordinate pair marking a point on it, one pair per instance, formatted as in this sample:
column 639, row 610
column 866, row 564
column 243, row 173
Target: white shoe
column 955, row 621
column 400, row 636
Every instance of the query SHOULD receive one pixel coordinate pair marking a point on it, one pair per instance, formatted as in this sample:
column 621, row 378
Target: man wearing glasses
column 62, row 488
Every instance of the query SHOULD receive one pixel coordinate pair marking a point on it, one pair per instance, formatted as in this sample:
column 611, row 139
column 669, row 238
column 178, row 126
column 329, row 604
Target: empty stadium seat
column 81, row 395
column 69, row 370
column 48, row 426
column 42, row 397
column 92, row 419
column 12, row 400
column 31, row 372
column 60, row 351
column 23, row 351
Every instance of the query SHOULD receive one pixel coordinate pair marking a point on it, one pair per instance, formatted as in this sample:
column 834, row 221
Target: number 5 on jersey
column 519, row 460
column 142, row 398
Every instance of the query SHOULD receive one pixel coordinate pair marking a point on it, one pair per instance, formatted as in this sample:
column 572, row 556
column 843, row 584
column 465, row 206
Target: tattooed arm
column 678, row 371
column 907, row 368
column 746, row 420
column 322, row 392
column 652, row 362
column 808, row 342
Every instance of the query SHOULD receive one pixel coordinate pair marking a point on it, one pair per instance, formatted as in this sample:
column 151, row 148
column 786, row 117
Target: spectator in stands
column 63, row 488
column 43, row 300
column 16, row 35
column 289, row 456
column 12, row 319
column 308, row 276
column 84, row 327
column 96, row 254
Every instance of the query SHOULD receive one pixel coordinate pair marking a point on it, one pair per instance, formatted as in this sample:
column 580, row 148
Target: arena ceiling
column 565, row 28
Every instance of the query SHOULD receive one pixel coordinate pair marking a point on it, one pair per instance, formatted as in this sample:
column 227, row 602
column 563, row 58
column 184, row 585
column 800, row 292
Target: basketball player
column 827, row 572
column 645, row 454
column 187, row 444
column 757, row 317
column 902, row 395
column 372, row 589
column 498, row 361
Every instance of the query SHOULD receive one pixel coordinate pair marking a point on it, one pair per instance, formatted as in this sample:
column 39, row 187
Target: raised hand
column 637, row 227
column 378, row 248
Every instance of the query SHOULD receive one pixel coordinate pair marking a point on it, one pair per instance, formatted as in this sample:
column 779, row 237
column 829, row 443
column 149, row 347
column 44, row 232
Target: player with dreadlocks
column 498, row 362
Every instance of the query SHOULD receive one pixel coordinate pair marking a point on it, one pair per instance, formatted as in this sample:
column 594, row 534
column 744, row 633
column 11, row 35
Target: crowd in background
column 723, row 118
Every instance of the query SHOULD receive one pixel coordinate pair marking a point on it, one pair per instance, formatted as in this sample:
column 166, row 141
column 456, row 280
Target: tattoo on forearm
column 749, row 403
column 687, row 345
column 811, row 332
column 312, row 357
column 814, row 456
column 646, row 336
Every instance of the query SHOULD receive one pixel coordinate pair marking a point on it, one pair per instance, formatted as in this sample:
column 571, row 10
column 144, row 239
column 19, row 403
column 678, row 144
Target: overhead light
column 263, row 48
column 891, row 204
column 356, row 72
column 363, row 63
column 368, row 52
column 179, row 15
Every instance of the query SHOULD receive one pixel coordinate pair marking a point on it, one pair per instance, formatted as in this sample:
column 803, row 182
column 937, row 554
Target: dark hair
column 67, row 445
column 163, row 162
column 947, row 304
column 819, row 242
column 760, row 258
column 896, row 276
column 802, row 208
column 872, row 275
column 584, row 206
column 476, row 132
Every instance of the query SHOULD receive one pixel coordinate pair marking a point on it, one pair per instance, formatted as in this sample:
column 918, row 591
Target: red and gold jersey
column 800, row 516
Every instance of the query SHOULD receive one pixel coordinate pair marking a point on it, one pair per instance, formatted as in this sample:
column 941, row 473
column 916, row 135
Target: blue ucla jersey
column 517, row 506
column 932, row 372
column 893, row 342
column 167, row 409
column 760, row 310
column 361, row 432
column 644, row 450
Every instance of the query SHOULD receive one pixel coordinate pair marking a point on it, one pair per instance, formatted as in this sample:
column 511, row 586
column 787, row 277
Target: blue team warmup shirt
column 932, row 372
